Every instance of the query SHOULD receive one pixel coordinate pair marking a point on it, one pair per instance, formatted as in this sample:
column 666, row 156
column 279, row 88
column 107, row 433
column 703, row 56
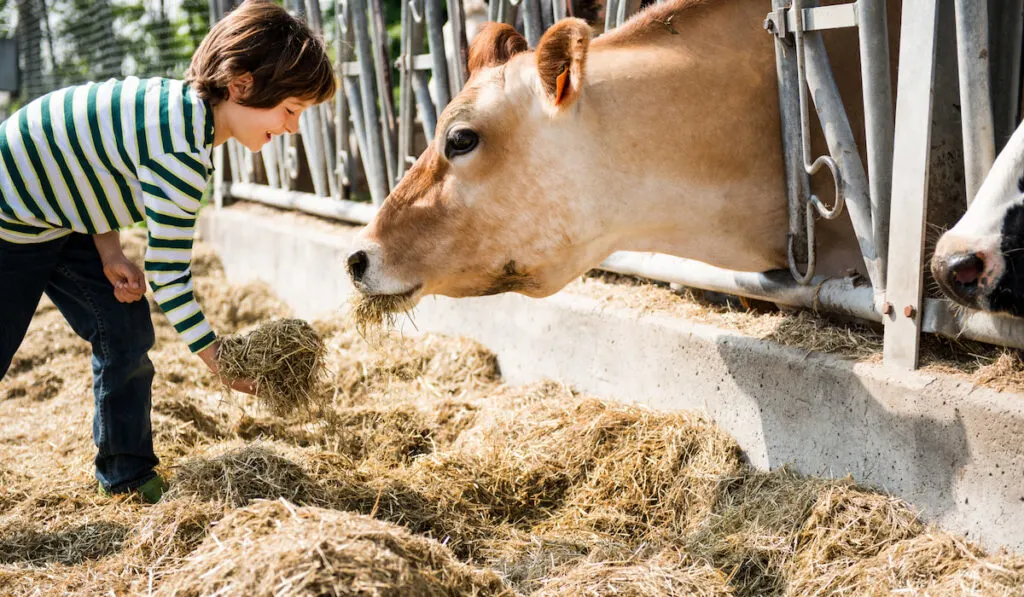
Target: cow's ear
column 493, row 45
column 561, row 58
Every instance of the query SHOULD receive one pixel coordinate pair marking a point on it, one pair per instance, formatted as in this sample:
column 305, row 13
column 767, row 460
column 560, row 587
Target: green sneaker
column 151, row 491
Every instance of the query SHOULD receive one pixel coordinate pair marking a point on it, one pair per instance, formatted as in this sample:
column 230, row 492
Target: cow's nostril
column 966, row 269
column 357, row 264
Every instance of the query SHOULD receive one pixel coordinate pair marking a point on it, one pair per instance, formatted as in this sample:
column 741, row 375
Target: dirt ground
column 425, row 475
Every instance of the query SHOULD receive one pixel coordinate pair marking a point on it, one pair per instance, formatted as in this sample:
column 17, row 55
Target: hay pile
column 275, row 548
column 420, row 458
column 665, row 575
column 283, row 357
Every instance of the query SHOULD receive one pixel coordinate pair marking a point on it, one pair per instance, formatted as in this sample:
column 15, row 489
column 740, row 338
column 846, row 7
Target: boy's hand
column 209, row 356
column 128, row 280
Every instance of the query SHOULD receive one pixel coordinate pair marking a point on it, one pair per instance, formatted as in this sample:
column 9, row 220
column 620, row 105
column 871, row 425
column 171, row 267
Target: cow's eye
column 460, row 141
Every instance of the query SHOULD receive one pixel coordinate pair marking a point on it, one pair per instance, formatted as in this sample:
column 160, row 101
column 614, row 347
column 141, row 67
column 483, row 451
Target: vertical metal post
column 435, row 36
column 626, row 9
column 501, row 11
column 611, row 12
column 406, row 103
column 532, row 22
column 341, row 114
column 309, row 127
column 232, row 152
column 975, row 98
column 382, row 71
column 547, row 13
column 280, row 162
column 374, row 161
column 797, row 181
column 460, row 71
column 330, row 151
column 218, row 176
column 427, row 111
column 269, row 154
column 355, row 103
column 878, row 120
column 911, row 147
column 1006, row 19
column 558, row 9
column 318, row 124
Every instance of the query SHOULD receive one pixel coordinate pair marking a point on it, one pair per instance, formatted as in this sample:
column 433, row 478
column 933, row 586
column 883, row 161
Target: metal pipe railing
column 611, row 13
column 843, row 148
column 558, row 9
column 424, row 103
column 338, row 209
column 342, row 133
column 374, row 161
column 532, row 23
column 824, row 294
column 975, row 97
column 406, row 99
column 459, row 72
column 312, row 146
column 382, row 74
column 797, row 181
column 329, row 152
column 878, row 121
column 435, row 36
column 501, row 11
column 1006, row 19
column 270, row 159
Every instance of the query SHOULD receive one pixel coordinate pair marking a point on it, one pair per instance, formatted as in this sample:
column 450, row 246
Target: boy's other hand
column 209, row 356
column 128, row 280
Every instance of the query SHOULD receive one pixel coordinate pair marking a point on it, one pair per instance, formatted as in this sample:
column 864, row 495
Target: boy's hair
column 285, row 58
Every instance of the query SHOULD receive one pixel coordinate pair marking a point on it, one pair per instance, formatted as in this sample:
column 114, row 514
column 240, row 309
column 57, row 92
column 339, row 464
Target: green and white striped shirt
column 98, row 157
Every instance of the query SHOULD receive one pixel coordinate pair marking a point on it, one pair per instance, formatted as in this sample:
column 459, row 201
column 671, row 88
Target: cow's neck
column 668, row 167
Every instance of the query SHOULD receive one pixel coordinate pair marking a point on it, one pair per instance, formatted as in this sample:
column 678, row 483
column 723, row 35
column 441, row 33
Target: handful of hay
column 284, row 358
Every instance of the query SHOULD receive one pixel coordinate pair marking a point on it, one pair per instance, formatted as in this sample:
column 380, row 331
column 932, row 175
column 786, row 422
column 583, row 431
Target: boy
column 80, row 163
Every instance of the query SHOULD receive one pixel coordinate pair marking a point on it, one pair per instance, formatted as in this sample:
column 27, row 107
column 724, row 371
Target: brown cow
column 662, row 135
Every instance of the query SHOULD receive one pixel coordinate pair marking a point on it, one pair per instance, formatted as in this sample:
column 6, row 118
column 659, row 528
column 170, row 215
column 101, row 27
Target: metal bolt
column 909, row 310
column 887, row 308
column 769, row 25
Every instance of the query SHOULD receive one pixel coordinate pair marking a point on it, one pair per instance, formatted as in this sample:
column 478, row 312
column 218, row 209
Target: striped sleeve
column 172, row 190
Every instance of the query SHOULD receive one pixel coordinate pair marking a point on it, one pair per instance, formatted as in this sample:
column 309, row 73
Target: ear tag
column 560, row 84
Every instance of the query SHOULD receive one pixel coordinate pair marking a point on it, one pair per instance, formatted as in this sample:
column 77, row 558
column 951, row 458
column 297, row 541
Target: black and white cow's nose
column 358, row 263
column 959, row 275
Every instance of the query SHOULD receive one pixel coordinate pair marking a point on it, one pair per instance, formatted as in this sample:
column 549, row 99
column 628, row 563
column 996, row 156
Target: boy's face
column 254, row 127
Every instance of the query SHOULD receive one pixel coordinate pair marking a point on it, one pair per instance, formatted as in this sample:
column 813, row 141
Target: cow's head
column 979, row 262
column 492, row 205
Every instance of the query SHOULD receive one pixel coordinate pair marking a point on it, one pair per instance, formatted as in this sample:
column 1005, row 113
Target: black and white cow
column 979, row 262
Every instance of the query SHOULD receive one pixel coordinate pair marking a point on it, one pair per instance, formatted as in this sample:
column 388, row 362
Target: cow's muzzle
column 960, row 276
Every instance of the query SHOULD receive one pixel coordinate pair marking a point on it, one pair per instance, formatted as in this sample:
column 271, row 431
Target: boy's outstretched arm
column 209, row 356
column 128, row 280
column 173, row 188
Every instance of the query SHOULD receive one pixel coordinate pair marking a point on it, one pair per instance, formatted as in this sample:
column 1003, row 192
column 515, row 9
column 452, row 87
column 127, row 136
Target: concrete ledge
column 952, row 449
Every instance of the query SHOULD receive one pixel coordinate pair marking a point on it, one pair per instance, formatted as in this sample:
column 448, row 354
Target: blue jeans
column 70, row 272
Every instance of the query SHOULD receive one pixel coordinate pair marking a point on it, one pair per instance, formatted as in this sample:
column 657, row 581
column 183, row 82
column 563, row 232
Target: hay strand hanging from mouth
column 285, row 359
column 378, row 311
